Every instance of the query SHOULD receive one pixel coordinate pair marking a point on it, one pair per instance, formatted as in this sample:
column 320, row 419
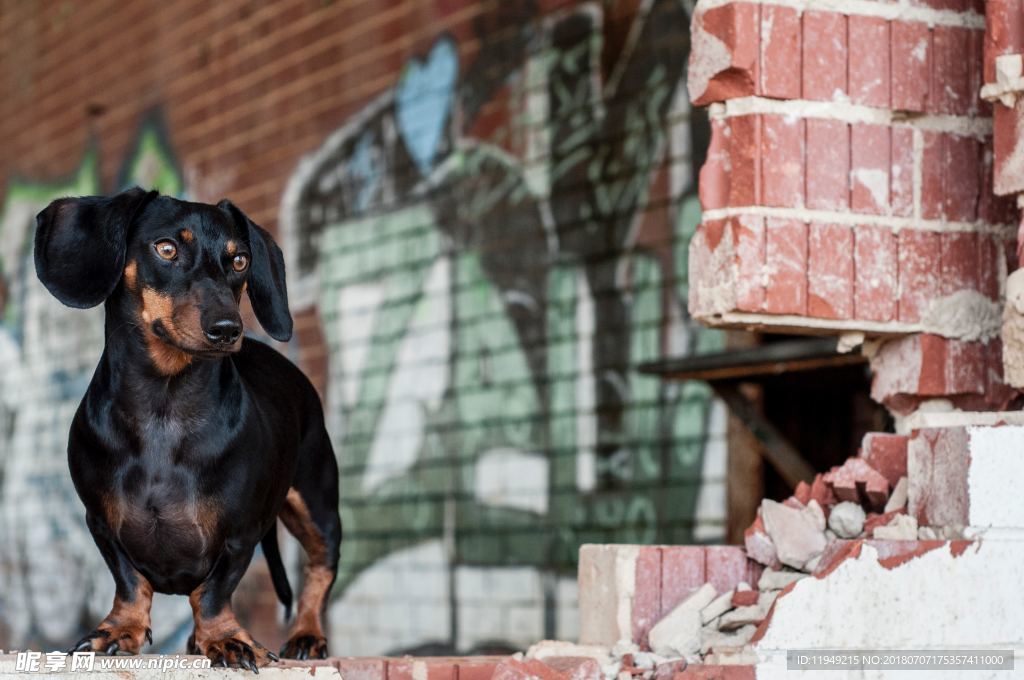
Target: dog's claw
column 149, row 635
column 273, row 657
column 112, row 649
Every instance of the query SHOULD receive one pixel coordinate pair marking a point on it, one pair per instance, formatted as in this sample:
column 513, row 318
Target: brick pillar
column 848, row 187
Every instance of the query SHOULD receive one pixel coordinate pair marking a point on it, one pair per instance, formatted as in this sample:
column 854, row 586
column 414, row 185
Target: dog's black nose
column 224, row 331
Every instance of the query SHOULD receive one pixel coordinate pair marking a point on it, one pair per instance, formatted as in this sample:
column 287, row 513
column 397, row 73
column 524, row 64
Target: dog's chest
column 158, row 510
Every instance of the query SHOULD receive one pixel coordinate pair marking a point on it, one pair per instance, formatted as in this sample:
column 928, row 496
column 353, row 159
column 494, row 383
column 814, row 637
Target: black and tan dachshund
column 191, row 440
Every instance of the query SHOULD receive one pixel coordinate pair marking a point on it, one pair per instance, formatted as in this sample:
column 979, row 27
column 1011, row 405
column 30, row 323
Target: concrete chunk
column 901, row 528
column 717, row 607
column 898, row 499
column 847, row 520
column 678, row 633
column 798, row 535
column 773, row 579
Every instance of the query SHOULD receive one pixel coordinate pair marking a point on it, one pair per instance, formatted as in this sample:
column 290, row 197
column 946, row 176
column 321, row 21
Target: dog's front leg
column 218, row 634
column 126, row 627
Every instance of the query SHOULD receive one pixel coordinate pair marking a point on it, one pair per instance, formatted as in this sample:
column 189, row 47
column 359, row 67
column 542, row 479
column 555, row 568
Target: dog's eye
column 240, row 262
column 166, row 249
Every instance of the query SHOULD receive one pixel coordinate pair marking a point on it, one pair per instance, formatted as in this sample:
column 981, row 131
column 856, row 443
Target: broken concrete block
column 874, row 521
column 759, row 546
column 717, row 607
column 798, row 535
column 678, row 633
column 713, row 640
column 741, row 616
column 766, row 599
column 847, row 520
column 898, row 498
column 901, row 528
column 773, row 579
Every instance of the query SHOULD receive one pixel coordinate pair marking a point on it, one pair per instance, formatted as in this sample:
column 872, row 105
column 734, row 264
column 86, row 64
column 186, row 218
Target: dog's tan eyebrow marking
column 232, row 248
column 187, row 236
column 131, row 272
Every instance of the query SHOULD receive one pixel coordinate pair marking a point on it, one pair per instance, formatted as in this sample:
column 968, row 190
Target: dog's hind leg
column 310, row 513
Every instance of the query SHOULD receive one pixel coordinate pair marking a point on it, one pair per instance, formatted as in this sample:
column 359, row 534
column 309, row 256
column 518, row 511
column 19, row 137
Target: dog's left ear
column 267, row 290
column 80, row 245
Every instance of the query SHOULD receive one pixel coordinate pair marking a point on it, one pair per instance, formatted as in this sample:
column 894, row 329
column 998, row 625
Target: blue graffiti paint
column 423, row 102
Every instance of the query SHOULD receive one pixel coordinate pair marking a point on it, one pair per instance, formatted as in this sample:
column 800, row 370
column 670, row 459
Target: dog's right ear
column 80, row 245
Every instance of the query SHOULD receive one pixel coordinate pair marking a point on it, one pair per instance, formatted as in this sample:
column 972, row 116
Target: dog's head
column 180, row 267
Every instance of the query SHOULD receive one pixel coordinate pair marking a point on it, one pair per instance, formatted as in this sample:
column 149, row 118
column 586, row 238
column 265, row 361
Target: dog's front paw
column 235, row 651
column 305, row 646
column 111, row 639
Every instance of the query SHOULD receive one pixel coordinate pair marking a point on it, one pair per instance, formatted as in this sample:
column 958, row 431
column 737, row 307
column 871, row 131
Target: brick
column 933, row 203
column 716, row 672
column 606, row 580
column 745, row 598
column 822, row 493
column 937, row 465
column 423, row 668
column 911, row 369
column 886, row 453
column 951, row 80
column 780, row 52
column 828, row 143
column 362, row 668
column 875, row 273
column 869, row 61
column 830, row 272
column 901, row 172
column 910, row 52
column 558, row 668
column 1008, row 177
column 786, row 263
column 782, row 161
column 682, row 573
column 802, row 493
column 959, row 262
column 475, row 668
column 824, row 55
column 869, row 169
column 726, row 566
column 750, row 243
column 919, row 280
column 646, row 593
column 711, row 79
column 961, row 178
column 713, row 187
column 992, row 208
column 745, row 161
column 966, row 369
column 1004, row 33
column 857, row 482
column 989, row 272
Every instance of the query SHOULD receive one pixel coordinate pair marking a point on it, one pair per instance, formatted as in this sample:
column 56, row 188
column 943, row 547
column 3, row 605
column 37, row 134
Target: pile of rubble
column 865, row 498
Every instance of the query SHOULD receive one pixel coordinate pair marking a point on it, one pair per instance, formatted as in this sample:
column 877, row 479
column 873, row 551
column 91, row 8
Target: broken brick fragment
column 858, row 482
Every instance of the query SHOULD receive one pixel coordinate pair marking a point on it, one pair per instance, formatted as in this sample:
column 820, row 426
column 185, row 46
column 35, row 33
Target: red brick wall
column 849, row 186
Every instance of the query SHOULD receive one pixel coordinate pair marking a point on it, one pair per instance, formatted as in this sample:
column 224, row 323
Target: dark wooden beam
column 779, row 453
column 763, row 360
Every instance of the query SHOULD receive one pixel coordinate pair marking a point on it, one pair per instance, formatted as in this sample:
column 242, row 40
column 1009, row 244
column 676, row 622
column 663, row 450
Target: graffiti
column 55, row 582
column 491, row 255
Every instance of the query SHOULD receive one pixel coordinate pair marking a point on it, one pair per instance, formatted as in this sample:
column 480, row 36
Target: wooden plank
column 779, row 453
column 764, row 360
